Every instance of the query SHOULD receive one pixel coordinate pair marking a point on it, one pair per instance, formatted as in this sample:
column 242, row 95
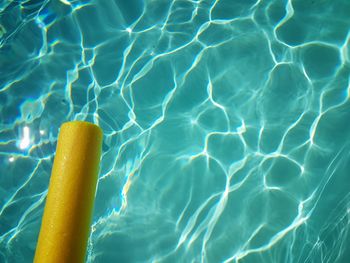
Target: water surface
column 227, row 126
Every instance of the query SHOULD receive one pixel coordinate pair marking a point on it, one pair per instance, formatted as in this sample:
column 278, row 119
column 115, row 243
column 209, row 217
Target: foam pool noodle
column 68, row 210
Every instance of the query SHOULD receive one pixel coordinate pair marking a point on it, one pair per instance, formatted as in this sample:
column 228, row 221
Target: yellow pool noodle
column 65, row 227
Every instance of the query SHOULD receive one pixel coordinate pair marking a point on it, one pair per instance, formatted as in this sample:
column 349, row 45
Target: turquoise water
column 227, row 126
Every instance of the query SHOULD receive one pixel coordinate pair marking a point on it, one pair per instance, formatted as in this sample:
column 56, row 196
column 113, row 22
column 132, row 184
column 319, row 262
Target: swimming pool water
column 227, row 125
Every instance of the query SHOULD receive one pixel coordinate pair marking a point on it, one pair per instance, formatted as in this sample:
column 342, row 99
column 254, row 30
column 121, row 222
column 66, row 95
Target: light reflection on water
column 226, row 126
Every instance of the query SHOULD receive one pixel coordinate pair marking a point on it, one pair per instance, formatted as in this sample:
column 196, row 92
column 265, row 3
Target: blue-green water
column 227, row 126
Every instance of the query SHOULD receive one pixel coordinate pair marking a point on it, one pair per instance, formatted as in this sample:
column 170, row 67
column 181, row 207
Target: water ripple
column 226, row 126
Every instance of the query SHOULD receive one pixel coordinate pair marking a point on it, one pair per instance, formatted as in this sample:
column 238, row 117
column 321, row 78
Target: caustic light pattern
column 227, row 125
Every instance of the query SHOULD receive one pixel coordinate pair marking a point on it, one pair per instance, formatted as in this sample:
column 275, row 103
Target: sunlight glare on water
column 226, row 126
